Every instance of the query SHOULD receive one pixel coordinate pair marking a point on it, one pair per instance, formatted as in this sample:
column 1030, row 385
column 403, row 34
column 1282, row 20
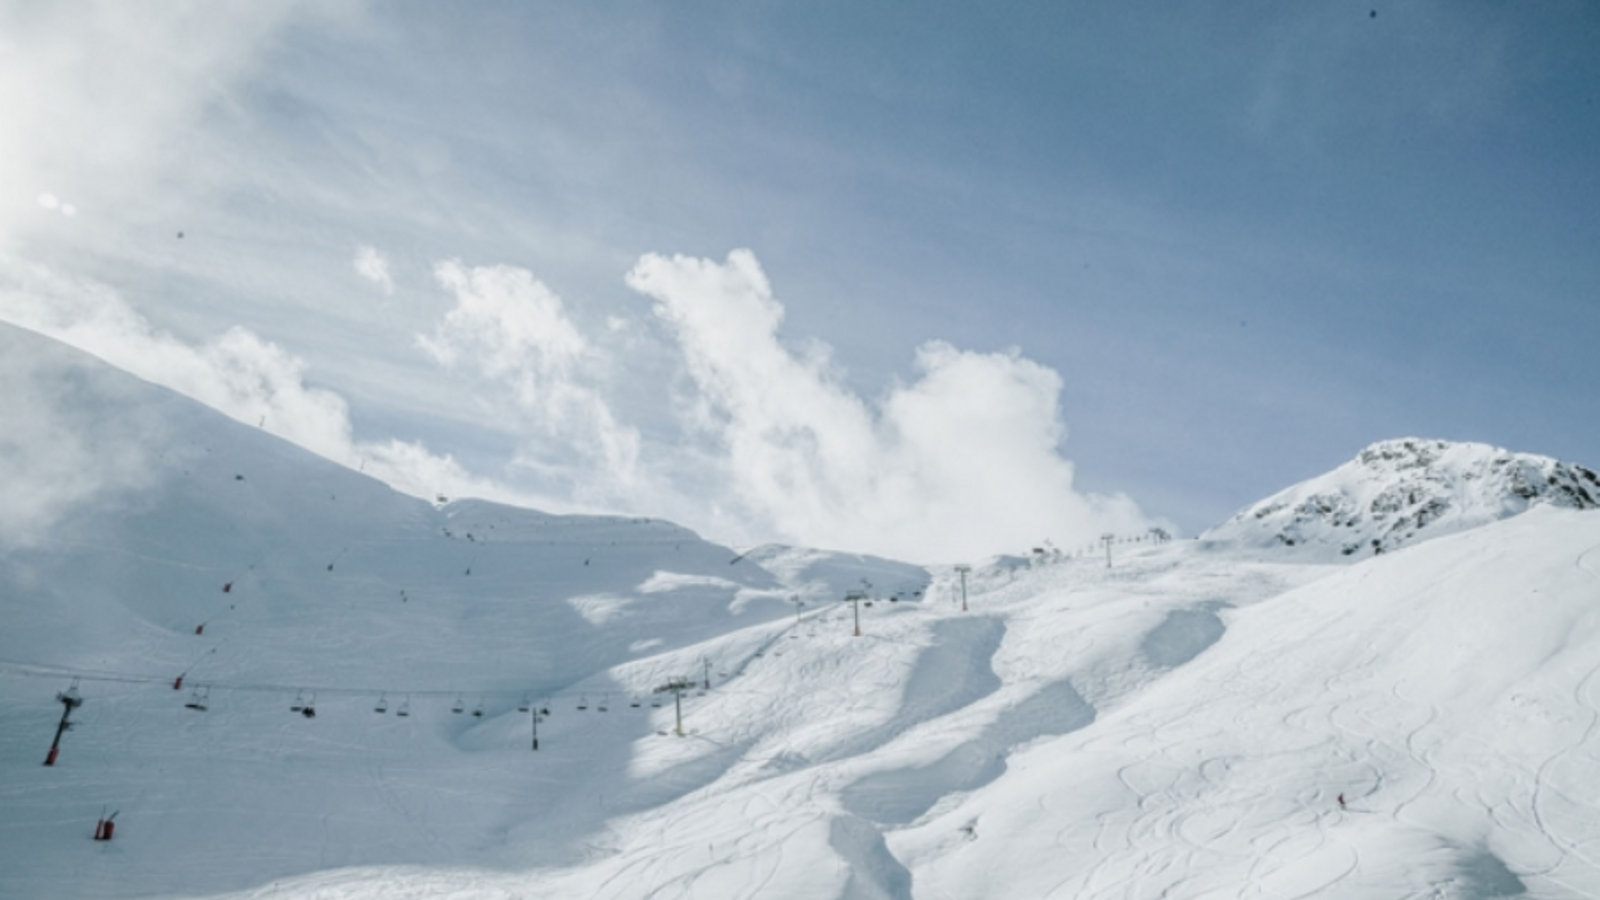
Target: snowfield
column 1179, row 724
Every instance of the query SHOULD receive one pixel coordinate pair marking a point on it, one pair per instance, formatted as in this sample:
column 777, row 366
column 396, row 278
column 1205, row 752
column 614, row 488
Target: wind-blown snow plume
column 964, row 459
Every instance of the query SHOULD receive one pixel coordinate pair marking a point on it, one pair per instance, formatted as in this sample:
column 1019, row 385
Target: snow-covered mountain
column 1396, row 493
column 1200, row 719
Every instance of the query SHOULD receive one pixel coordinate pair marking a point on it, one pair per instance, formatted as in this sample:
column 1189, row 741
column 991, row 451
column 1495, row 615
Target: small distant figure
column 180, row 235
column 1341, row 802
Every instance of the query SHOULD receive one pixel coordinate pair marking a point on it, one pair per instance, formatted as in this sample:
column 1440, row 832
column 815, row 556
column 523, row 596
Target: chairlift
column 310, row 709
column 299, row 703
column 197, row 699
column 459, row 705
column 477, row 711
column 655, row 702
column 523, row 706
column 635, row 703
column 603, row 700
column 583, row 702
column 405, row 708
column 383, row 704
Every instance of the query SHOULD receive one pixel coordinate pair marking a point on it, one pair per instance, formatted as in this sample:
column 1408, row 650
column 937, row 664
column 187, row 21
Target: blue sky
column 1170, row 255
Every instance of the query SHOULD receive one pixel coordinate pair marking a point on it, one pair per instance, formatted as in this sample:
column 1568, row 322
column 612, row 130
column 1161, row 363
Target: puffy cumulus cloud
column 511, row 331
column 771, row 444
column 510, row 325
column 374, row 267
column 963, row 460
column 250, row 379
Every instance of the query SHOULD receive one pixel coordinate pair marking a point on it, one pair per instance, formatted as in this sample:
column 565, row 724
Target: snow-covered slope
column 1178, row 725
column 1396, row 493
column 147, row 537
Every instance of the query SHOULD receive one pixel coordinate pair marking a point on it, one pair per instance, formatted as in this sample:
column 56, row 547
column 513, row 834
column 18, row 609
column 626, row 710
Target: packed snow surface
column 1179, row 724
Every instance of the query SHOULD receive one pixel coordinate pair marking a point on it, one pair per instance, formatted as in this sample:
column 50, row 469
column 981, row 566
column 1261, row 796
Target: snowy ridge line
column 16, row 668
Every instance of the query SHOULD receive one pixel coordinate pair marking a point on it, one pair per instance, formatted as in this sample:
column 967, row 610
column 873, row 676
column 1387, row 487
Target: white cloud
column 510, row 330
column 963, row 460
column 102, row 97
column 374, row 267
column 250, row 379
column 509, row 325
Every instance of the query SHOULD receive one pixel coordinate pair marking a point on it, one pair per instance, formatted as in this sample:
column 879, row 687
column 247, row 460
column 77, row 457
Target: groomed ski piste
column 1179, row 723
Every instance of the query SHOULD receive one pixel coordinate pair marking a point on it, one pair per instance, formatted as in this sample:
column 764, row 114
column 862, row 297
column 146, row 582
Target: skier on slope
column 1341, row 802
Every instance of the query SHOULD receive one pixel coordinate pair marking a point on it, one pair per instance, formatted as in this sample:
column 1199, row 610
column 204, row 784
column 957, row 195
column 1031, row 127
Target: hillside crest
column 1399, row 492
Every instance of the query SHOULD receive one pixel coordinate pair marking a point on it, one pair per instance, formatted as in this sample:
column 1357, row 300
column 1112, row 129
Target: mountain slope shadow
column 901, row 796
column 952, row 673
column 1183, row 635
column 875, row 874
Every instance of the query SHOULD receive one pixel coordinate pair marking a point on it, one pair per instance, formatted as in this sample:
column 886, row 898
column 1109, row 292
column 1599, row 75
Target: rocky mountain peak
column 1399, row 492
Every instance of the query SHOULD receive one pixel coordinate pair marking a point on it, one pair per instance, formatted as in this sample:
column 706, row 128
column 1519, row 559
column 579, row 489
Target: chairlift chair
column 635, row 703
column 459, row 705
column 405, row 708
column 477, row 711
column 299, row 703
column 523, row 706
column 583, row 702
column 383, row 704
column 603, row 701
column 310, row 709
column 197, row 699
